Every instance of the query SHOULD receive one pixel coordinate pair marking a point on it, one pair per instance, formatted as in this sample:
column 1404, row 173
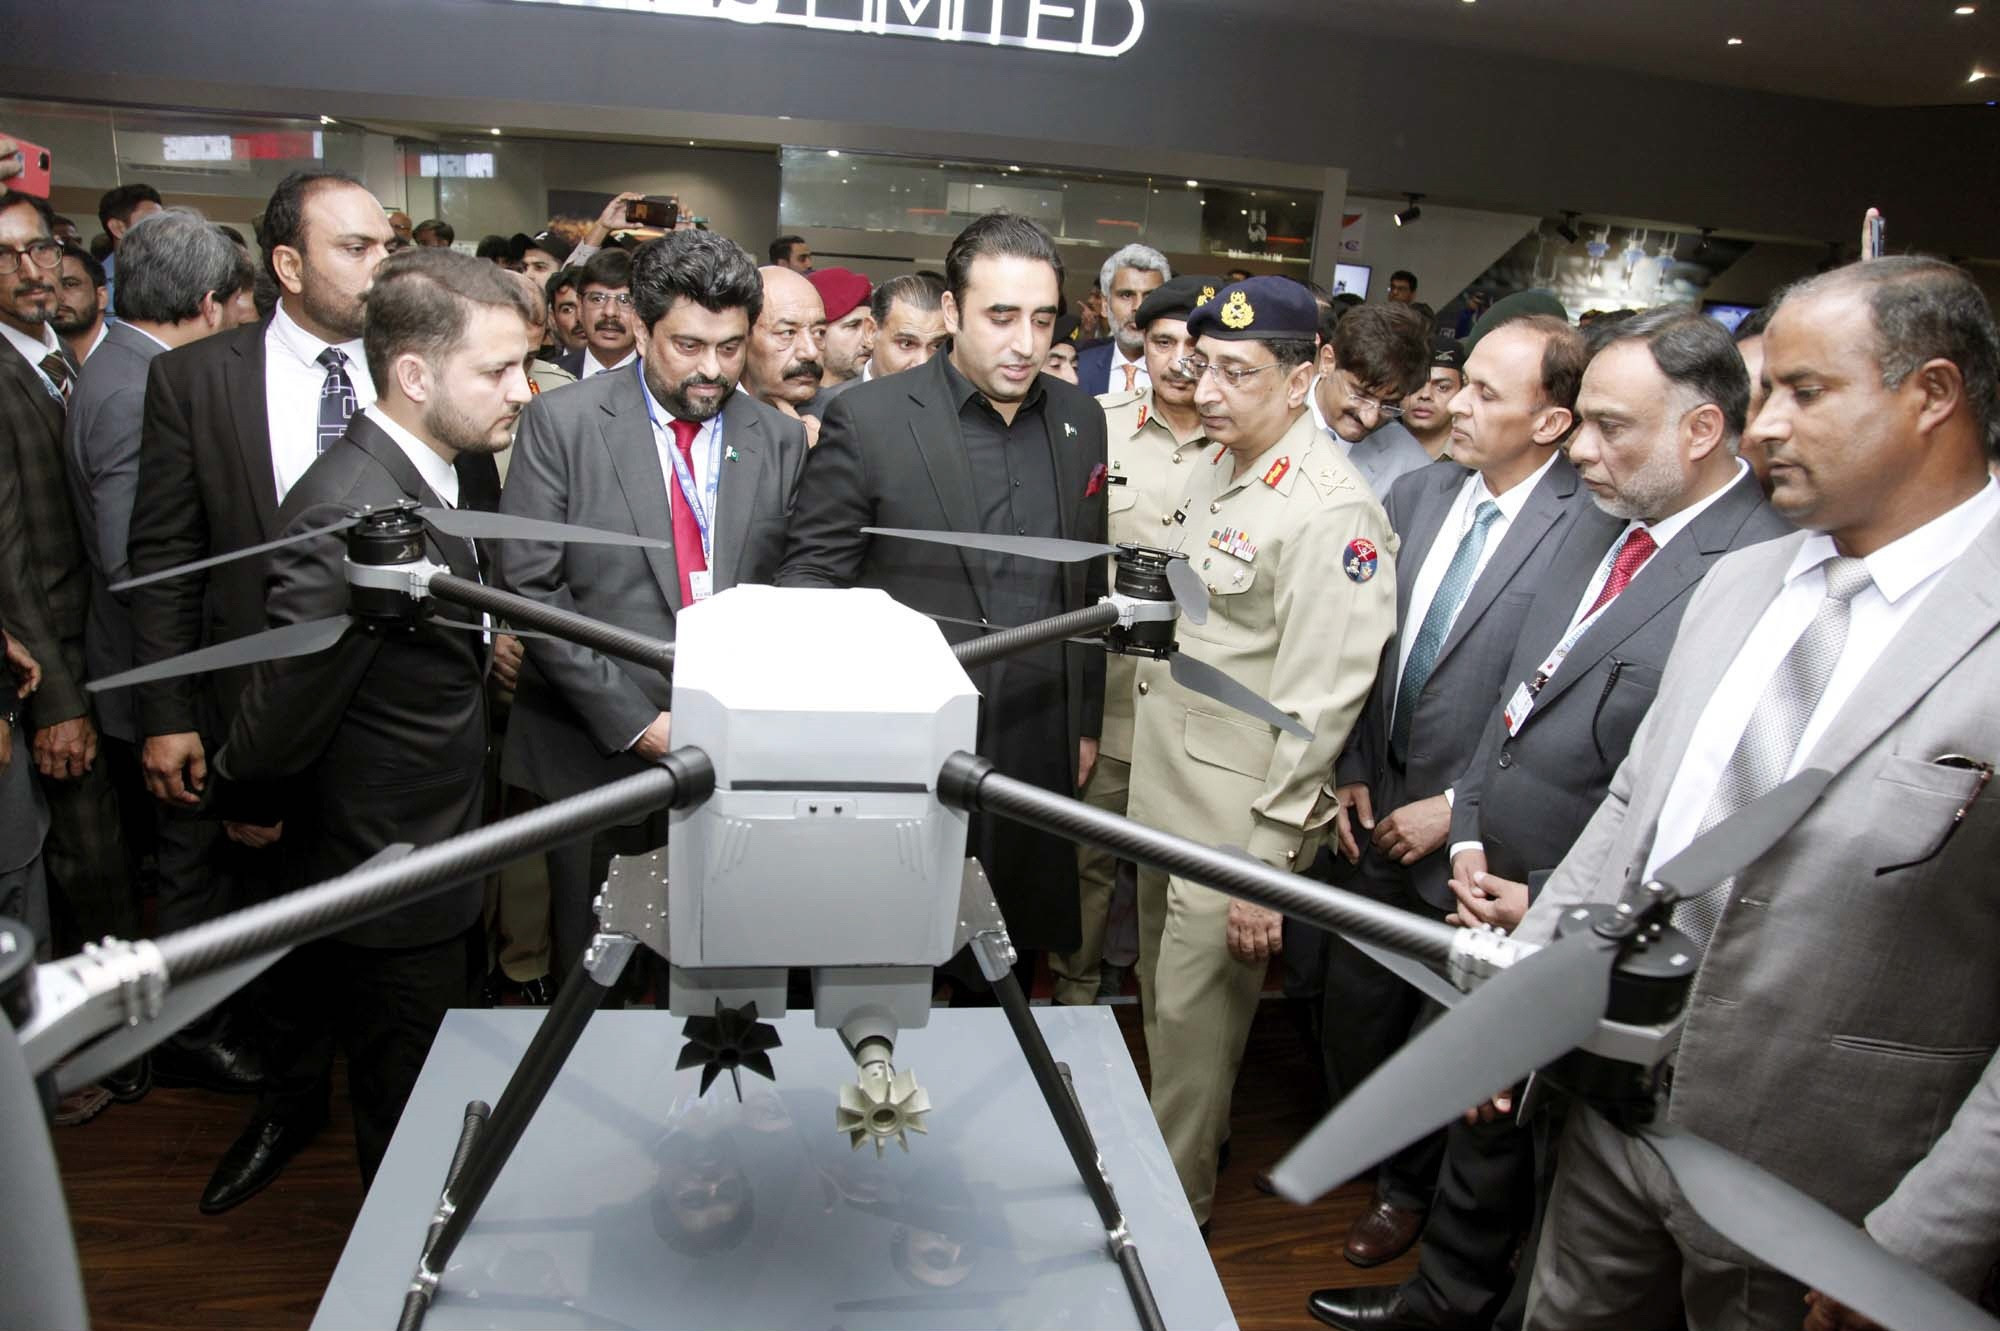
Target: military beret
column 1257, row 309
column 1447, row 352
column 1175, row 298
column 547, row 241
column 840, row 290
column 1520, row 305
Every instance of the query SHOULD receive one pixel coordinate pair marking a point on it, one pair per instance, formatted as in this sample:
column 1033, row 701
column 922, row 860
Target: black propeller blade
column 1530, row 1014
column 1203, row 678
column 315, row 635
column 248, row 550
column 1190, row 592
column 1782, row 1227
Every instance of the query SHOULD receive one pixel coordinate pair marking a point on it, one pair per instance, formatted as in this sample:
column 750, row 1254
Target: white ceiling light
column 833, row 152
column 1736, row 41
column 495, row 130
column 1194, row 184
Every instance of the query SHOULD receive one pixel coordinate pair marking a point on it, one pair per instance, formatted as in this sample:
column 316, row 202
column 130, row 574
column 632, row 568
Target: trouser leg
column 522, row 903
column 1206, row 1000
column 1076, row 973
column 1484, row 1204
column 1607, row 1261
column 90, row 887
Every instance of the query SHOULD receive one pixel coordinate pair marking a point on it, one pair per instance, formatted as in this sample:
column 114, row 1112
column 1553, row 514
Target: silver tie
column 1777, row 723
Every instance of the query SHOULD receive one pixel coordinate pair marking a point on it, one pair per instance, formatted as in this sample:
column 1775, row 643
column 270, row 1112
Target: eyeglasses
column 42, row 253
column 1360, row 401
column 599, row 299
column 1196, row 369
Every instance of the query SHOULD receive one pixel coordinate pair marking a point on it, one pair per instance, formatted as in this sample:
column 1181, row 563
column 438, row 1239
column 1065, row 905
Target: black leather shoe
column 128, row 1085
column 538, row 992
column 227, row 1064
column 1371, row 1308
column 253, row 1160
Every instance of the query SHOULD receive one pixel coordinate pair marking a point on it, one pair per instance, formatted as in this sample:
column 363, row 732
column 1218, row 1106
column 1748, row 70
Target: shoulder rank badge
column 1276, row 472
column 1360, row 560
column 1144, row 412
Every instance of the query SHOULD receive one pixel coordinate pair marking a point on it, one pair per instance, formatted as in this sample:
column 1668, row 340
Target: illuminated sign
column 1106, row 28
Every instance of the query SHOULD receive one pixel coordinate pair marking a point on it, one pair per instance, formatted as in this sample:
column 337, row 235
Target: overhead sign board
column 1103, row 28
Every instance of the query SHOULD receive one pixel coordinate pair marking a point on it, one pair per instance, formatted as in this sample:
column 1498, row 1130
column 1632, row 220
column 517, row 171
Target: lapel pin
column 1069, row 431
column 729, row 453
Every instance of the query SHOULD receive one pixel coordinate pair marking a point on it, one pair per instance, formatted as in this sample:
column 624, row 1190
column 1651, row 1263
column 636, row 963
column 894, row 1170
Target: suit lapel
column 372, row 440
column 736, row 492
column 934, row 427
column 1072, row 480
column 635, row 458
column 28, row 381
column 1425, row 524
column 243, row 375
column 1958, row 614
column 1524, row 533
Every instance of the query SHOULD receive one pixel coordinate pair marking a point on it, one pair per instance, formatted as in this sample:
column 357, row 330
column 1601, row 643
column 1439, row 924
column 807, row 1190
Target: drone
column 819, row 821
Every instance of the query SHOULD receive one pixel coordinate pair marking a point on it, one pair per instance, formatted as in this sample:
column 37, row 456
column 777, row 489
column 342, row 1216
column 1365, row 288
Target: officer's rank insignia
column 1142, row 416
column 1276, row 472
column 1236, row 312
column 1360, row 560
column 1207, row 295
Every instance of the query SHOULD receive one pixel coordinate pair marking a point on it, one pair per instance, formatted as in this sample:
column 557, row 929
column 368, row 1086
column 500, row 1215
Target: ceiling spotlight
column 494, row 130
column 1706, row 232
column 1411, row 213
column 1013, row 168
column 1963, row 10
column 1736, row 41
column 1978, row 74
column 326, row 120
column 1567, row 230
column 833, row 152
column 1194, row 184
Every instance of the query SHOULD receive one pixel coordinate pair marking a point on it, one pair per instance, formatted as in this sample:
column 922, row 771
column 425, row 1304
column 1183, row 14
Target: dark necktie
column 1777, row 724
column 1632, row 556
column 336, row 398
column 57, row 369
column 688, row 554
column 1451, row 593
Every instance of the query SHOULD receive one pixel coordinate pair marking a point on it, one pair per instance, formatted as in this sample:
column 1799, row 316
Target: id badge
column 1518, row 708
column 702, row 584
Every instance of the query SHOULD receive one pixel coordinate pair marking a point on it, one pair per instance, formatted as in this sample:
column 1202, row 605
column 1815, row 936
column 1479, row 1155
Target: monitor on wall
column 1726, row 314
column 1352, row 277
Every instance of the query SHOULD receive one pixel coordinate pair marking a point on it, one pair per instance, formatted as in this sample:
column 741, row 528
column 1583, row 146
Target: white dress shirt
column 593, row 366
column 1457, row 522
column 1319, row 419
column 704, row 439
column 293, row 382
column 440, row 475
column 33, row 352
column 1116, row 383
column 1902, row 575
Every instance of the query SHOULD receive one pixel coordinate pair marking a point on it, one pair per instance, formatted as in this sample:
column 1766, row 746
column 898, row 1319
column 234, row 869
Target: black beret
column 548, row 242
column 1175, row 298
column 1447, row 352
column 1258, row 309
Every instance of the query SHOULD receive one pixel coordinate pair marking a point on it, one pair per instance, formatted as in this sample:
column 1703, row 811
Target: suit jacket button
column 1166, row 519
column 1506, row 758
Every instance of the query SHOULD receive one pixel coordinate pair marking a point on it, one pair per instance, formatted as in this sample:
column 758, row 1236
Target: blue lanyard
column 703, row 506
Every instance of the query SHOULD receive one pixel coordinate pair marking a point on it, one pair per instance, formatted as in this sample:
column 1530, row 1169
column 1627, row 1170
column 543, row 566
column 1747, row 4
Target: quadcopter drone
column 819, row 821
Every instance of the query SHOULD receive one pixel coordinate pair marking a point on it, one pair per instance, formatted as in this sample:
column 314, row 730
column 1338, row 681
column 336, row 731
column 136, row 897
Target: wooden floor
column 150, row 1259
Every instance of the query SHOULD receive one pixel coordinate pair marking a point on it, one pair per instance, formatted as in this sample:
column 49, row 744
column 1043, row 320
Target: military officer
column 1297, row 555
column 1154, row 437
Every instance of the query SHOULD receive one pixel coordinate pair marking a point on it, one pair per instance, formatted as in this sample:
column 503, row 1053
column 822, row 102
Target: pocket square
column 1097, row 474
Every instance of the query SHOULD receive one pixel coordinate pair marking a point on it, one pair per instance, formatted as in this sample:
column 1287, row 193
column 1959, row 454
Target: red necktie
column 688, row 555
column 1638, row 548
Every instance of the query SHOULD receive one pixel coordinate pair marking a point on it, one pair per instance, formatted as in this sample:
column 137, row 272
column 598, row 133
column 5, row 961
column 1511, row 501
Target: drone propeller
column 1530, row 1014
column 472, row 524
column 314, row 635
column 1190, row 592
column 1200, row 677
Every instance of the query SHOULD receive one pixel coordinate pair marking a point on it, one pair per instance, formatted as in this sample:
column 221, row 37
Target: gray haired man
column 1119, row 365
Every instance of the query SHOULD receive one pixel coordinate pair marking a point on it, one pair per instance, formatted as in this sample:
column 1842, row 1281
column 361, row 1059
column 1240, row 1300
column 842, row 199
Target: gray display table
column 632, row 1203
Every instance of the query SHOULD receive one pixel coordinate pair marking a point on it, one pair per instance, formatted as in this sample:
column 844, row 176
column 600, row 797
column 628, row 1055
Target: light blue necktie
column 1451, row 593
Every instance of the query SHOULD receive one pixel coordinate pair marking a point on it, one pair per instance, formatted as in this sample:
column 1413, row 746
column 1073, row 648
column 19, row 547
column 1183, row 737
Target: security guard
column 1297, row 555
column 1154, row 438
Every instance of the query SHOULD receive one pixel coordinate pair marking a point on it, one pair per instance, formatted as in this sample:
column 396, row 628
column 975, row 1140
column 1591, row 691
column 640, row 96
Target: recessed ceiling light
column 1966, row 9
column 1978, row 74
column 1013, row 168
column 494, row 130
column 326, row 120
column 1736, row 41
column 833, row 152
column 1194, row 184
column 784, row 117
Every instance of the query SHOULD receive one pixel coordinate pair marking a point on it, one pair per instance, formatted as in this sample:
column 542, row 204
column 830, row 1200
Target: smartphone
column 653, row 212
column 1872, row 228
column 35, row 165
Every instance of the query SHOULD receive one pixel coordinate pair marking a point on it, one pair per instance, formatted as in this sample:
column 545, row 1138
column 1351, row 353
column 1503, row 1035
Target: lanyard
column 1582, row 626
column 703, row 505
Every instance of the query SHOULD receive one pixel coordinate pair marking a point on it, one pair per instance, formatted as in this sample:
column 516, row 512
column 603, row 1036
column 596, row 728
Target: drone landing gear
column 995, row 955
column 486, row 1142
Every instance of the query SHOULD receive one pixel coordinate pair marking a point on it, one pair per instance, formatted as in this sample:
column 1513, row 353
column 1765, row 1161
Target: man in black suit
column 1660, row 414
column 1476, row 534
column 230, row 424
column 979, row 440
column 382, row 738
column 608, row 453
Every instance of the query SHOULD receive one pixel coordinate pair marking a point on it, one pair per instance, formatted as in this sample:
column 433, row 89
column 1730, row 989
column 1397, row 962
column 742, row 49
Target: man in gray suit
column 1658, row 419
column 1476, row 538
column 1369, row 362
column 667, row 448
column 1843, row 1025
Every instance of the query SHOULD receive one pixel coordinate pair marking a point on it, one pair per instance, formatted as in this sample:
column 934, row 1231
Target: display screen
column 1352, row 277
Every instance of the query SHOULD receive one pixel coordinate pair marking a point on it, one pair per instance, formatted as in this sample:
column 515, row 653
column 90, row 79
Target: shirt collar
column 1905, row 563
column 963, row 390
column 1119, row 358
column 299, row 343
column 1516, row 498
column 592, row 365
column 440, row 475
column 1664, row 531
column 659, row 415
column 31, row 350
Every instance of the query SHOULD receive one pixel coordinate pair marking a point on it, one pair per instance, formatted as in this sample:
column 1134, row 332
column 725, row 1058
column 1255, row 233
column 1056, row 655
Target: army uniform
column 1297, row 554
column 1148, row 474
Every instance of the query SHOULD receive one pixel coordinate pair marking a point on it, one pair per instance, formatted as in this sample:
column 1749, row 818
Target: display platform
column 631, row 1203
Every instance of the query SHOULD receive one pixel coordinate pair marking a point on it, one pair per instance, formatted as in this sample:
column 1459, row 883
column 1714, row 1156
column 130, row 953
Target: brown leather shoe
column 1382, row 1234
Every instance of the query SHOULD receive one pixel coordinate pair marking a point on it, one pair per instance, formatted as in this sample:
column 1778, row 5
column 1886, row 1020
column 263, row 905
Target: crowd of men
column 1549, row 604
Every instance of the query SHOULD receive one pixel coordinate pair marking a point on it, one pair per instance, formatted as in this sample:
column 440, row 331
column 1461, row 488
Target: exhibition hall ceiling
column 1867, row 52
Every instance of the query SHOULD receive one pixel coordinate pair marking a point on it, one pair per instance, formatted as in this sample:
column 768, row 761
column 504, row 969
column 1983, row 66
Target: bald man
column 783, row 366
